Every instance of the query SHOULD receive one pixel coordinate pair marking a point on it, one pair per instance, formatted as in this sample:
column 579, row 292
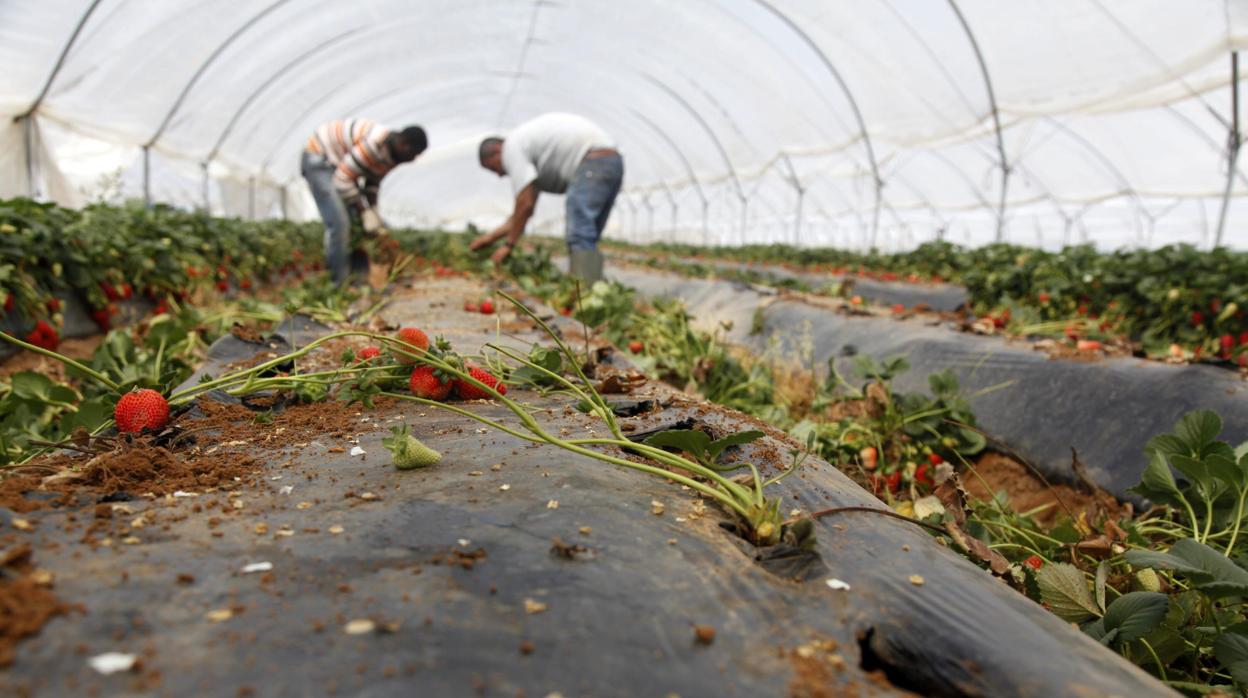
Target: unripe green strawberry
column 1147, row 580
column 407, row 452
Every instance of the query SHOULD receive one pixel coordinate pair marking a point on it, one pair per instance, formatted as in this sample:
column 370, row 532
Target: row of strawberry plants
column 107, row 254
column 1175, row 301
column 1153, row 587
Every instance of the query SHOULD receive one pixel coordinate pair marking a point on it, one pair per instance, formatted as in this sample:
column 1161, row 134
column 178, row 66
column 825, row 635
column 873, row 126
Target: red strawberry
column 1082, row 309
column 102, row 318
column 935, row 459
column 223, row 285
column 1087, row 345
column 1228, row 343
column 1043, row 297
column 1243, row 338
column 141, row 409
column 1072, row 332
column 9, row 300
column 566, row 311
column 367, row 354
column 1034, row 562
column 1198, row 318
column 898, row 308
column 417, row 342
column 126, row 291
column 487, row 307
column 424, row 383
column 244, row 284
column 110, row 292
column 894, row 482
column 54, row 305
column 43, row 336
column 636, row 347
column 191, row 271
column 161, row 308
column 468, row 391
column 470, row 307
column 921, row 475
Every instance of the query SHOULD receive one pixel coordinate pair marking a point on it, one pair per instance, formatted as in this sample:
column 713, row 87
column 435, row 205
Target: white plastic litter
column 837, row 585
column 112, row 662
column 357, row 451
column 257, row 567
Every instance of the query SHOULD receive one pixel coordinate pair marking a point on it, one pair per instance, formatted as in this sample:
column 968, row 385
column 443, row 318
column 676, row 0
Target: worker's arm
column 512, row 228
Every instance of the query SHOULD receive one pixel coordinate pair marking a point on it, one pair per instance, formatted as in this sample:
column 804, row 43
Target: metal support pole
column 28, row 138
column 1232, row 155
column 251, row 198
column 706, row 225
column 147, row 176
column 207, row 204
column 284, row 213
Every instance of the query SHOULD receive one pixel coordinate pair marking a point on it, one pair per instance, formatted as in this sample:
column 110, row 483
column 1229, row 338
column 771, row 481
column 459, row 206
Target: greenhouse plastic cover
column 740, row 120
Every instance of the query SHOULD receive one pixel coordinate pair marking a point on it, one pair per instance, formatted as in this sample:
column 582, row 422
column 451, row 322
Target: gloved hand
column 372, row 221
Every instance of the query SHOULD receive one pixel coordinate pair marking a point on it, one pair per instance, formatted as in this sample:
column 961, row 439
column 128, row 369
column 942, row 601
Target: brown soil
column 26, row 602
column 135, row 468
column 1027, row 492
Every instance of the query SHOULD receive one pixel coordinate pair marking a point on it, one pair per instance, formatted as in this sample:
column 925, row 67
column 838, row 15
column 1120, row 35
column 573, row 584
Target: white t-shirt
column 548, row 150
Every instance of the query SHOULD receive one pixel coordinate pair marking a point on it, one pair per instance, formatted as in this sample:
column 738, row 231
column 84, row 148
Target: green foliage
column 700, row 445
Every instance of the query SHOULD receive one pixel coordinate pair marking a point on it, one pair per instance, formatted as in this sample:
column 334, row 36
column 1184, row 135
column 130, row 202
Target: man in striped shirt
column 344, row 162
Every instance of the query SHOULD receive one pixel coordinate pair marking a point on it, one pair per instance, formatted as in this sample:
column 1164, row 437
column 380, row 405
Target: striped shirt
column 356, row 148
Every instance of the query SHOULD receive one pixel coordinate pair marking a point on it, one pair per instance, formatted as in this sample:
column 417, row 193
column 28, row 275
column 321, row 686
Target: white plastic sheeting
column 823, row 123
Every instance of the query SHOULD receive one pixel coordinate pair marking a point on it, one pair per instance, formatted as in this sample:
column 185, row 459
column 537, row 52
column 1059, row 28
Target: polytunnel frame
column 1234, row 137
column 26, row 117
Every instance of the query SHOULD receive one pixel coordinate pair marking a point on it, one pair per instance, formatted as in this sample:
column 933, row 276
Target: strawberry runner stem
column 539, row 435
column 101, row 378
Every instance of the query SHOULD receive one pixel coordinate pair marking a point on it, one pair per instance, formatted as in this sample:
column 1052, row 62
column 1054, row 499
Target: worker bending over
column 344, row 162
column 557, row 153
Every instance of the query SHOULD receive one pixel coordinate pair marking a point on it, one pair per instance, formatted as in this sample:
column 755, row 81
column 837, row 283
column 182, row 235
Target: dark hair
column 487, row 148
column 412, row 141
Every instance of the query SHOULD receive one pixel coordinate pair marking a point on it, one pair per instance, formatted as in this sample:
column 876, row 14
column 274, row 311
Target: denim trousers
column 589, row 199
column 319, row 173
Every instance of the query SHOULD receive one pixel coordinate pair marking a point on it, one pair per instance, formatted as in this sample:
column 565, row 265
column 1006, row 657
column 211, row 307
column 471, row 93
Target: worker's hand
column 501, row 254
column 372, row 221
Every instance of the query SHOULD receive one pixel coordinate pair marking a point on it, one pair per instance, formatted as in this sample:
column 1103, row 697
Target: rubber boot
column 585, row 265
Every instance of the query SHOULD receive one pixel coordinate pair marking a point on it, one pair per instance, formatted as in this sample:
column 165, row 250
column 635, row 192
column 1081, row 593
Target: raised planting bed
column 1106, row 409
column 303, row 566
column 936, row 297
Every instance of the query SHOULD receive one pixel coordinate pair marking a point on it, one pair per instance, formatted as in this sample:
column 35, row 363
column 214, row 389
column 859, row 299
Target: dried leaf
column 1064, row 590
column 977, row 549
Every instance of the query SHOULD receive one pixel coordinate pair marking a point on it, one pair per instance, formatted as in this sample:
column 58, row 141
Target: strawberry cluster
column 44, row 336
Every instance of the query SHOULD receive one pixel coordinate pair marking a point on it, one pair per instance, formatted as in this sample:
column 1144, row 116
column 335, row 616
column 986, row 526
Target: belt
column 600, row 153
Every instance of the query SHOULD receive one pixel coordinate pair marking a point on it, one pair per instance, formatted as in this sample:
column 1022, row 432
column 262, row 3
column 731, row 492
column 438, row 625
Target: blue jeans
column 319, row 173
column 589, row 199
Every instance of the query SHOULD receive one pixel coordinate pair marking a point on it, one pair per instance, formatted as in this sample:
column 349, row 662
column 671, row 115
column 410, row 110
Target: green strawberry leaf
column 1208, row 570
column 692, row 441
column 1231, row 649
column 740, row 438
column 1136, row 614
column 1198, row 429
column 1064, row 590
